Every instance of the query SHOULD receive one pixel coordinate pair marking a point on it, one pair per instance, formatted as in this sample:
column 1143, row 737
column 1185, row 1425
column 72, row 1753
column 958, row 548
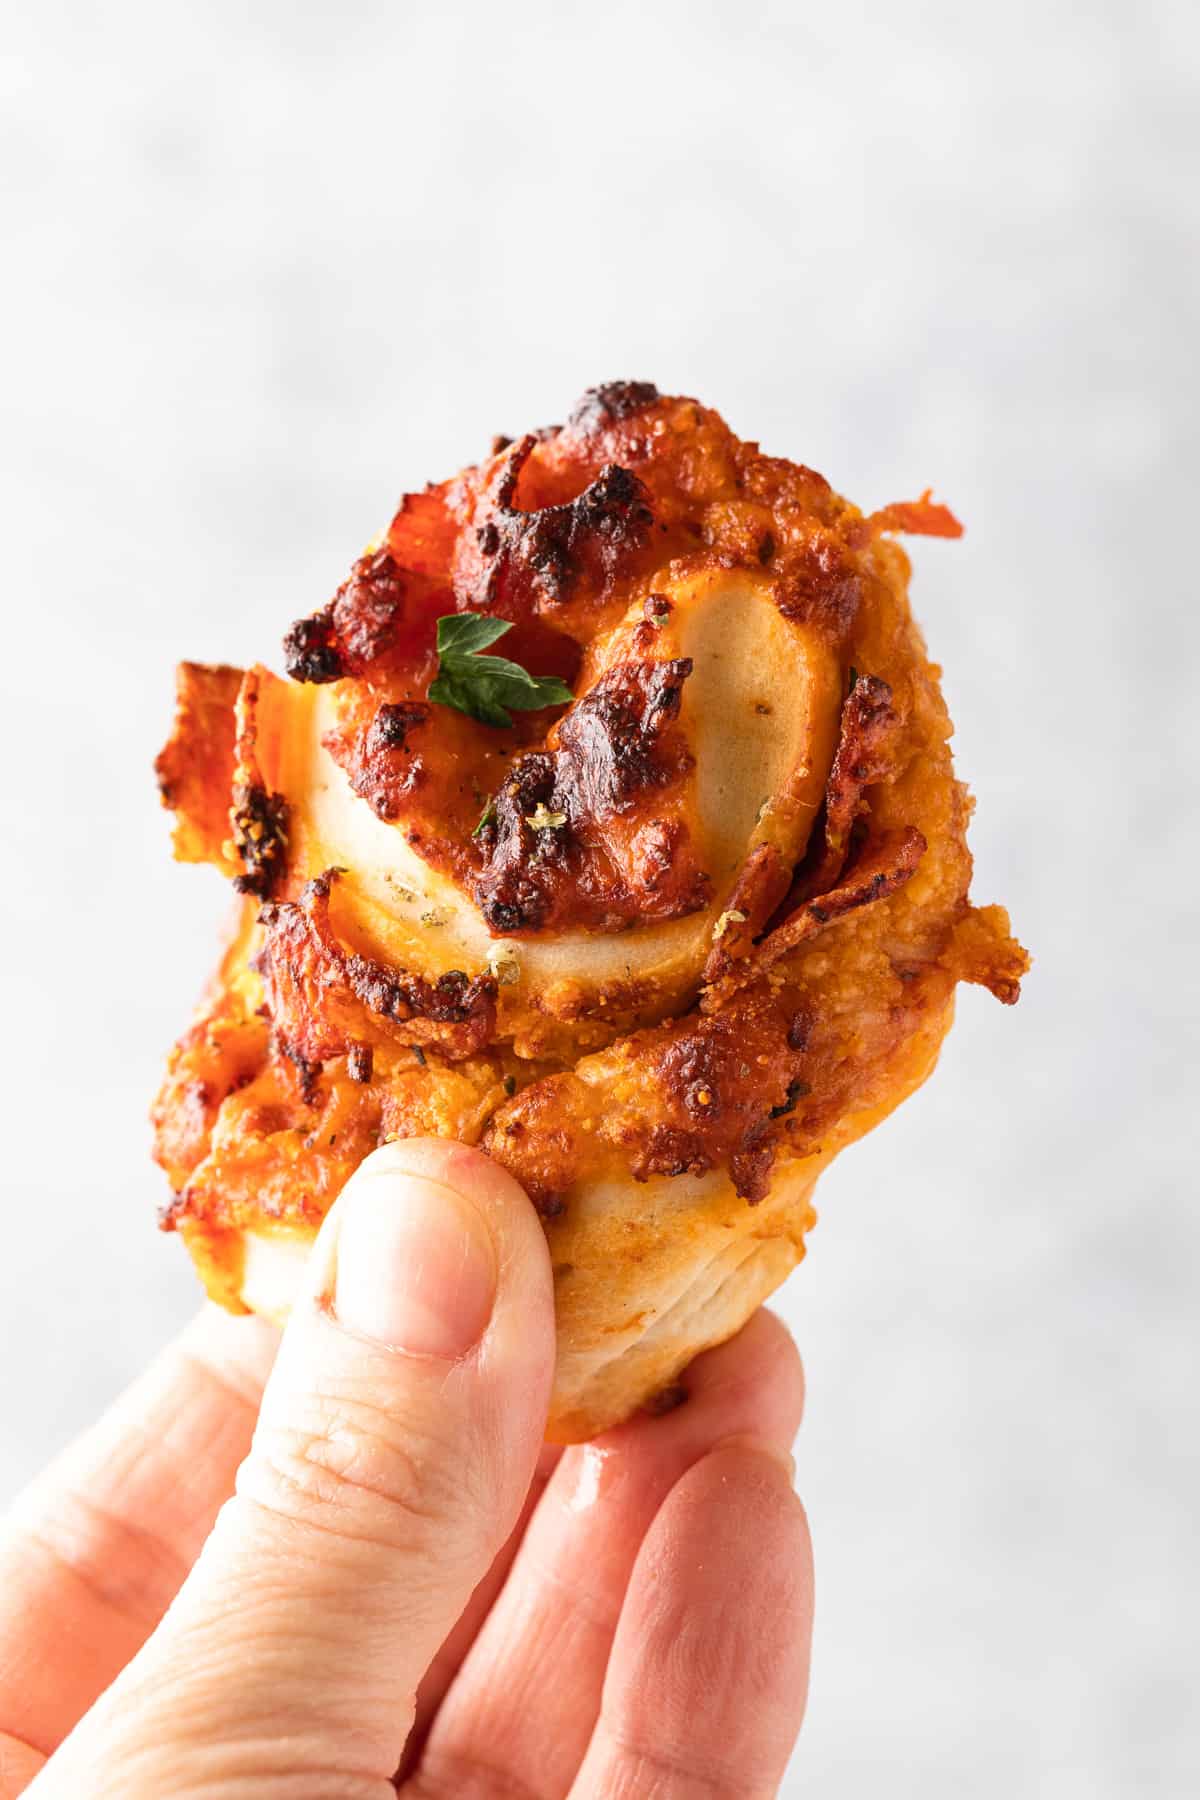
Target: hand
column 402, row 1577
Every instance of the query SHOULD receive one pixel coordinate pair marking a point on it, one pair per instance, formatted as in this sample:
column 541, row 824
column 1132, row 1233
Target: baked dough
column 663, row 951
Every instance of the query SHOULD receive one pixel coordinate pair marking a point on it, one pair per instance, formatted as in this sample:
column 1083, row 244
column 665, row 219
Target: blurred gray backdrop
column 268, row 265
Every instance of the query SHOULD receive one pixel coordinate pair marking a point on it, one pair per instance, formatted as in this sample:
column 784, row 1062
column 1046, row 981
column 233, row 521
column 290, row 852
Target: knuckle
column 346, row 1466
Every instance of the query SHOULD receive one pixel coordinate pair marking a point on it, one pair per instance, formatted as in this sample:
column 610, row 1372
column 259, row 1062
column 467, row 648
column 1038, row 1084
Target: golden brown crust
column 887, row 862
column 325, row 998
column 649, row 987
column 195, row 766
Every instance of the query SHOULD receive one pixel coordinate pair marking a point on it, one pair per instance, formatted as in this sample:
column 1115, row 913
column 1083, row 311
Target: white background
column 265, row 266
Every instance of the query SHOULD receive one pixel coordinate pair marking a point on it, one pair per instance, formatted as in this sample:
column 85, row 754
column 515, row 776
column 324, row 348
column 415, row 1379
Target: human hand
column 403, row 1579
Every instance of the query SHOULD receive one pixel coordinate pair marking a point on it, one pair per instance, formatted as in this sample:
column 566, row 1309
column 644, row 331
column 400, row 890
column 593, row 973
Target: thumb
column 397, row 1439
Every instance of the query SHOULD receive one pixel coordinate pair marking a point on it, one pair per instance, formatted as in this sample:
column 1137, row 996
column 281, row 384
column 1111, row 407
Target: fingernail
column 416, row 1265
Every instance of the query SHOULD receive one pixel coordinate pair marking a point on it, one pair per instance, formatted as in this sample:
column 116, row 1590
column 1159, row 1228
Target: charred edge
column 453, row 999
column 864, row 754
column 549, row 1205
column 504, row 916
column 868, row 718
column 668, row 1150
column 366, row 610
column 609, row 403
column 610, row 735
column 750, row 1172
column 310, row 651
column 607, row 758
column 797, row 1090
column 762, row 883
column 871, row 696
column 614, row 497
column 859, row 886
column 354, row 630
column 260, row 837
column 508, row 891
column 308, row 1072
column 359, row 1062
column 882, row 870
column 393, row 722
column 519, row 452
column 610, row 517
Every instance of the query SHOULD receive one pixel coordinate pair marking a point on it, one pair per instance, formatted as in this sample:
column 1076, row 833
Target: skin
column 343, row 1562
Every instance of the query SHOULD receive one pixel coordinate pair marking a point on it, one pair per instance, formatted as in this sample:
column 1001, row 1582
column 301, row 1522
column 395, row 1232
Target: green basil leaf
column 462, row 634
column 484, row 687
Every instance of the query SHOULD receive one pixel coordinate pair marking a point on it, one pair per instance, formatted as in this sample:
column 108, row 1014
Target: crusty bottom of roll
column 715, row 1260
column 647, row 1273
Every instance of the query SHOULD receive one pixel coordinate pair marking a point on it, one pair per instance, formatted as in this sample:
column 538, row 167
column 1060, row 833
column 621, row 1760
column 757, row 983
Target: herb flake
column 542, row 818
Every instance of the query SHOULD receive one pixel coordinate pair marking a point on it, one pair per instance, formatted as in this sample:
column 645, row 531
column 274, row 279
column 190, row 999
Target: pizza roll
column 604, row 818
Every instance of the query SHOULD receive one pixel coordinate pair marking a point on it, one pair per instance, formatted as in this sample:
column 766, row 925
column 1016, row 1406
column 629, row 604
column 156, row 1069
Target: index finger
column 94, row 1551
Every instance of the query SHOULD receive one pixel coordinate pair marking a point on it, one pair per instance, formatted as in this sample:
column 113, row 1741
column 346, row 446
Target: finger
column 559, row 1608
column 709, row 1674
column 448, row 1661
column 398, row 1436
column 92, row 1554
column 19, row 1763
